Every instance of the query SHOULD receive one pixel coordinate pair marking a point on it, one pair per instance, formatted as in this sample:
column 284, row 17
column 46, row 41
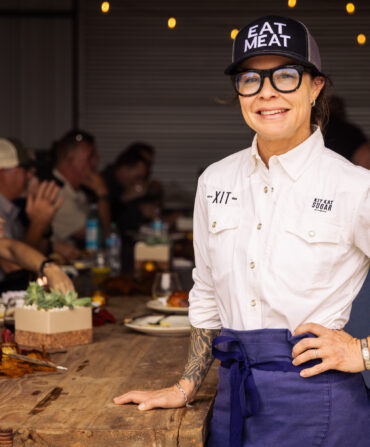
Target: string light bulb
column 350, row 8
column 292, row 3
column 233, row 33
column 171, row 22
column 105, row 7
column 361, row 39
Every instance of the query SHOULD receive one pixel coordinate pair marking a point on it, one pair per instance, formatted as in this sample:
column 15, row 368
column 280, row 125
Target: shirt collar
column 295, row 161
column 59, row 176
column 67, row 187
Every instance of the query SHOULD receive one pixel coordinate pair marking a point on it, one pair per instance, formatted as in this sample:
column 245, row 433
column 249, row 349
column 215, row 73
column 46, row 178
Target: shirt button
column 213, row 224
column 252, row 265
column 259, row 226
column 253, row 303
column 266, row 190
column 311, row 233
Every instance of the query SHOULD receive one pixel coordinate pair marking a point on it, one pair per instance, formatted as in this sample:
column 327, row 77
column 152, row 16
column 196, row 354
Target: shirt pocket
column 224, row 220
column 308, row 251
column 315, row 233
column 223, row 229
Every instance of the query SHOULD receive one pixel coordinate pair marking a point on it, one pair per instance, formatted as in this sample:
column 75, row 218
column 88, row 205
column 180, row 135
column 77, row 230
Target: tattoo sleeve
column 200, row 355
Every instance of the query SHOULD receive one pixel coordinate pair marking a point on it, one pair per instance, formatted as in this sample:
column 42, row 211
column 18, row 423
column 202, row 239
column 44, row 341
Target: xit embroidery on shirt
column 322, row 205
column 221, row 197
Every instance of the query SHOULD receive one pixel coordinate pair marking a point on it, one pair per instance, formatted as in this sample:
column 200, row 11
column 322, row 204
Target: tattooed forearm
column 200, row 355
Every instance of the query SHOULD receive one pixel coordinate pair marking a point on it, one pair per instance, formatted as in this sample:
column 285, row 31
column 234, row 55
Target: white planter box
column 53, row 328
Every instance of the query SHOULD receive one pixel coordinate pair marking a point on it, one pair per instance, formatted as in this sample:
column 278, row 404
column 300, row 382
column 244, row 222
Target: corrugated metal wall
column 36, row 71
column 142, row 81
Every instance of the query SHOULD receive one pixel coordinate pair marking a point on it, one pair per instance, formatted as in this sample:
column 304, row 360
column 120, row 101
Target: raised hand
column 43, row 204
column 95, row 182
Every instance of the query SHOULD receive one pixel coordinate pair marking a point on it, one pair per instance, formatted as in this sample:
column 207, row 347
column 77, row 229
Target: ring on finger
column 316, row 353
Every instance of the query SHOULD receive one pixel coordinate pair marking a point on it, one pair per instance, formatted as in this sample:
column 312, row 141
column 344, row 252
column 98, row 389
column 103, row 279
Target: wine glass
column 164, row 285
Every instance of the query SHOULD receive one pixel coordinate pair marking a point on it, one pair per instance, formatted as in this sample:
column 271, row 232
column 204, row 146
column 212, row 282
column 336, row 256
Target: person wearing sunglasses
column 282, row 247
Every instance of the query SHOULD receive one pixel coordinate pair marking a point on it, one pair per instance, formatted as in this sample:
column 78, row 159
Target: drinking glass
column 165, row 284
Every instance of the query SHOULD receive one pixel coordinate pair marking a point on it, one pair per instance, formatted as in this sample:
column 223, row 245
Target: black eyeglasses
column 284, row 79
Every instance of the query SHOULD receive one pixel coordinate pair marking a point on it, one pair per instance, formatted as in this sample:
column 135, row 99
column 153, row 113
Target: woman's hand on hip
column 337, row 349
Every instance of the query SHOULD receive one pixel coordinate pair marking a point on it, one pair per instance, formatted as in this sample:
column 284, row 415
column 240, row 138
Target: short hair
column 139, row 147
column 129, row 159
column 63, row 147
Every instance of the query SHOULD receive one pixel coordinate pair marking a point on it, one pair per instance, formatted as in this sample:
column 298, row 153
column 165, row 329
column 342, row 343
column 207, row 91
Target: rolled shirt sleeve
column 203, row 311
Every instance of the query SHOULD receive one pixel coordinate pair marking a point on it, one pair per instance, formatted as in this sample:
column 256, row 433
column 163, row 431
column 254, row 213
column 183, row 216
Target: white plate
column 161, row 307
column 178, row 325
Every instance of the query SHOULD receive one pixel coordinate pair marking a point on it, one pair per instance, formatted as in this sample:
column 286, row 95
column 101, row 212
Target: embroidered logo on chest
column 221, row 197
column 322, row 205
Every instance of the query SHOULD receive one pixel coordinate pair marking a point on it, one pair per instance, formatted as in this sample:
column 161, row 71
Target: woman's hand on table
column 165, row 398
column 337, row 349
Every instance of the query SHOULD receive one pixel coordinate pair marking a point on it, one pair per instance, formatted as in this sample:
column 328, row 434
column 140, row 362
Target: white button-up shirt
column 278, row 247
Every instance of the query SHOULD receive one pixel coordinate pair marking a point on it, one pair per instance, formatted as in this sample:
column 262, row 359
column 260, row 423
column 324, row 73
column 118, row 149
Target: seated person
column 344, row 137
column 75, row 160
column 154, row 188
column 41, row 201
column 130, row 199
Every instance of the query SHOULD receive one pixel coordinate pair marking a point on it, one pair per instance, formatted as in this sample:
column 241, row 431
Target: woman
column 282, row 245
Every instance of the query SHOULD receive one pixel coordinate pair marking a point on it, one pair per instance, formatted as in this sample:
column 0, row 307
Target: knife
column 26, row 358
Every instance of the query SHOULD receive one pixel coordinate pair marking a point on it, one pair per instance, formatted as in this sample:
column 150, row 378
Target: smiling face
column 280, row 118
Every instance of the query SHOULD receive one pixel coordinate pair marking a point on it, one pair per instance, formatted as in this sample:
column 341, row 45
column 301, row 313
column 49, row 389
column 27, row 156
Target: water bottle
column 93, row 230
column 160, row 231
column 157, row 227
column 113, row 246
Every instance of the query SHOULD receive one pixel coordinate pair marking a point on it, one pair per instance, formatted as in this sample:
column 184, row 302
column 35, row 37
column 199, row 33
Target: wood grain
column 75, row 408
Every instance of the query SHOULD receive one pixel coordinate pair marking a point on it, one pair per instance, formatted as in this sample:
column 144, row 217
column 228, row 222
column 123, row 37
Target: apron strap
column 244, row 399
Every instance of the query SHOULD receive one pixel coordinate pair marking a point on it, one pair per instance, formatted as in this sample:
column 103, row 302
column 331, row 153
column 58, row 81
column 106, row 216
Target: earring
column 313, row 103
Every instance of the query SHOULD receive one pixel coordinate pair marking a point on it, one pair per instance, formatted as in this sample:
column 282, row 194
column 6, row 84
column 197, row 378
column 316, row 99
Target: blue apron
column 262, row 401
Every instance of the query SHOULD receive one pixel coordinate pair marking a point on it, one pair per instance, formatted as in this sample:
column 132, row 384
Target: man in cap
column 42, row 203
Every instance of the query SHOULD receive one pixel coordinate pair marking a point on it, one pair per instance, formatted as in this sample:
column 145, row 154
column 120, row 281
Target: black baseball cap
column 275, row 35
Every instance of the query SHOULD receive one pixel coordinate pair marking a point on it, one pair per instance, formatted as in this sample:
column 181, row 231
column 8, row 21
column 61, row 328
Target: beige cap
column 13, row 154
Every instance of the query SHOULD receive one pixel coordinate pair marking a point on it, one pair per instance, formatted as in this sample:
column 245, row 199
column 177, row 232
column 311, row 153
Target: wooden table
column 75, row 408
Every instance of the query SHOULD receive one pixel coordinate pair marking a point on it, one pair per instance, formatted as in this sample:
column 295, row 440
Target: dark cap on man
column 275, row 35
